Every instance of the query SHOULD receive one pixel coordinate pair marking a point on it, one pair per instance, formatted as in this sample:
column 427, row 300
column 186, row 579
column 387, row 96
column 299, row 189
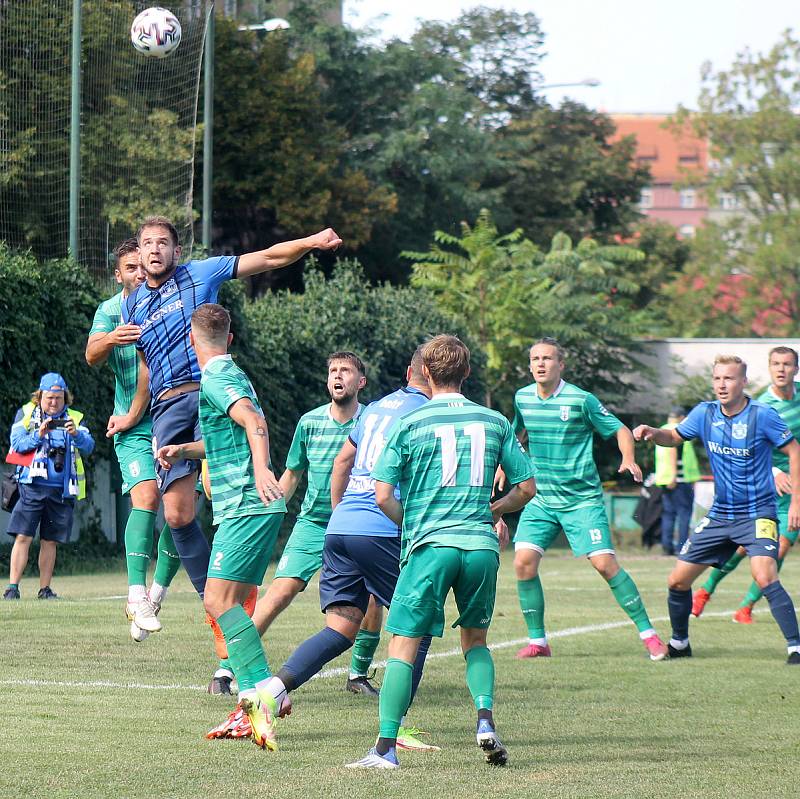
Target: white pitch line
column 340, row 671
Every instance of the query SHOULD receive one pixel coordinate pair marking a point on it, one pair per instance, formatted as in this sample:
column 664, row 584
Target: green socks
column 245, row 652
column 395, row 696
column 531, row 601
column 716, row 575
column 627, row 595
column 480, row 677
column 138, row 545
column 168, row 561
column 755, row 593
column 363, row 651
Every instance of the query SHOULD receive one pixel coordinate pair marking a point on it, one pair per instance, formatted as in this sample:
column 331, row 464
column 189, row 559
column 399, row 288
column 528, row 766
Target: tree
column 510, row 293
column 747, row 265
column 279, row 169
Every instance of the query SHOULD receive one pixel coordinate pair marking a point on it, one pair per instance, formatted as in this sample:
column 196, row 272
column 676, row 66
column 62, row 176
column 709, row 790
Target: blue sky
column 646, row 53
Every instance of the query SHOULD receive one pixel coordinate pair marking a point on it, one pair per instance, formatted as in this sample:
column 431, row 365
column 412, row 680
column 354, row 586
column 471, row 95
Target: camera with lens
column 58, row 456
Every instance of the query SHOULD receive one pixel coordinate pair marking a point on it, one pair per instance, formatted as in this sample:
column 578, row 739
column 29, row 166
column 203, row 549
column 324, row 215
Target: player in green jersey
column 558, row 421
column 112, row 342
column 784, row 397
column 248, row 507
column 317, row 440
column 444, row 456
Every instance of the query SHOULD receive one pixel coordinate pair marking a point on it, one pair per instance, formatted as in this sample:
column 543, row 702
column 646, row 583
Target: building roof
column 668, row 156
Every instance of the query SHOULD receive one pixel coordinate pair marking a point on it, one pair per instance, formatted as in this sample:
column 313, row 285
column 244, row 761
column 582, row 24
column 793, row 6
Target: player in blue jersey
column 739, row 435
column 361, row 554
column 170, row 376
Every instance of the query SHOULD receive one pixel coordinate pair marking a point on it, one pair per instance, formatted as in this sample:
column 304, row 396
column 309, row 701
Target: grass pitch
column 88, row 713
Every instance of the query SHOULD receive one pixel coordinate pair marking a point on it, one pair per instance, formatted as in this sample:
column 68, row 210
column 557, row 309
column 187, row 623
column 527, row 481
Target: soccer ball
column 156, row 32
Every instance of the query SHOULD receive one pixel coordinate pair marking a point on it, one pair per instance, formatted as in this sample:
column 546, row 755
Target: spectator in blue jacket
column 53, row 431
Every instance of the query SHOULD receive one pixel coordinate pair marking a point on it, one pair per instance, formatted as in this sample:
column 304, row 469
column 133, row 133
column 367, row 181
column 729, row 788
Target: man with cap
column 53, row 434
column 677, row 470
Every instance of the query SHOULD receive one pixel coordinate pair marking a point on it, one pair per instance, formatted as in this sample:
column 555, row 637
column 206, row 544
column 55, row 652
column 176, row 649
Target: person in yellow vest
column 55, row 434
column 677, row 470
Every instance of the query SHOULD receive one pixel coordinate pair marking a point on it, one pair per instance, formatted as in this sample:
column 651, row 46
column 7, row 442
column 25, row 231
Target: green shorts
column 430, row 572
column 302, row 555
column 242, row 547
column 586, row 529
column 783, row 519
column 134, row 450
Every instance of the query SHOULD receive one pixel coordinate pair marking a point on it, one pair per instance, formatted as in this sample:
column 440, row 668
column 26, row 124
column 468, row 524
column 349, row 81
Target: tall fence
column 138, row 125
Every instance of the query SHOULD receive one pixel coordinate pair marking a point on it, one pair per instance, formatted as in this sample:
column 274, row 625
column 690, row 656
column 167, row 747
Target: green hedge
column 281, row 339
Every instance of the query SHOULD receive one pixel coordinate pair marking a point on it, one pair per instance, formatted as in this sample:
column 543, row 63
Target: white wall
column 674, row 358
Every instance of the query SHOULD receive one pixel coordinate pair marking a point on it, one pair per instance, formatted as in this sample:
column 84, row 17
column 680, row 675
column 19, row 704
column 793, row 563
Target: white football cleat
column 145, row 615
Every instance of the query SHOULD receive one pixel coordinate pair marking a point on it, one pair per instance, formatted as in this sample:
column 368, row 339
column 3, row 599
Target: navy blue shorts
column 715, row 540
column 355, row 566
column 43, row 507
column 175, row 421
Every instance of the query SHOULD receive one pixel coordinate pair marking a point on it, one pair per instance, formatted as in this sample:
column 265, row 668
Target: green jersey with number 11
column 444, row 456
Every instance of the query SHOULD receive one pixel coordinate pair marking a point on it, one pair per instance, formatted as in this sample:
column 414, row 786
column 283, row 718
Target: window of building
column 687, row 198
column 686, row 231
column 728, row 201
column 646, row 198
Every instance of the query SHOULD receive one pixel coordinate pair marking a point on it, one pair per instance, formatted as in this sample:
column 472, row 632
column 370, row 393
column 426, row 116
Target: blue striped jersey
column 165, row 315
column 358, row 513
column 740, row 452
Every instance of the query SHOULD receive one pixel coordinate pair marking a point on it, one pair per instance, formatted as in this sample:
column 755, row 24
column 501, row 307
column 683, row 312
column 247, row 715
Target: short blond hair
column 447, row 360
column 724, row 360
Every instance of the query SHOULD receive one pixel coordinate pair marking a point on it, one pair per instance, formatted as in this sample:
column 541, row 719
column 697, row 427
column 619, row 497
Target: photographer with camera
column 52, row 433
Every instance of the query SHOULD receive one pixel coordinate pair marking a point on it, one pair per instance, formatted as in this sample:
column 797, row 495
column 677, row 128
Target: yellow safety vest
column 691, row 468
column 76, row 416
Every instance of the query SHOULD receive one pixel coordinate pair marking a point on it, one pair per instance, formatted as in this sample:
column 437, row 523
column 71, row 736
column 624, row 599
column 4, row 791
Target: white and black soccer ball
column 156, row 32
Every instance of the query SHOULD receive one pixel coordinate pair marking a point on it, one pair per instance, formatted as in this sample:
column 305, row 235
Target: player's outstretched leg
column 706, row 591
column 168, row 562
column 679, row 603
column 630, row 600
column 480, row 681
column 531, row 600
column 393, row 703
column 252, row 672
column 409, row 738
column 782, row 609
column 364, row 647
column 140, row 611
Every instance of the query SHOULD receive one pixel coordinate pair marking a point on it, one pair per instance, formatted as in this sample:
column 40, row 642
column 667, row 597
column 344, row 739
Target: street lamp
column 274, row 24
column 592, row 82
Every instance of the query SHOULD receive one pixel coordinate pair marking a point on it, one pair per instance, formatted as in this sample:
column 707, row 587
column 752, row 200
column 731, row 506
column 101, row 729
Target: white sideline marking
column 342, row 670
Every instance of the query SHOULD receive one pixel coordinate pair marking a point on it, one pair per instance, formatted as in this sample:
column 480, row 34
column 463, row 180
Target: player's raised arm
column 658, row 435
column 627, row 448
column 342, row 466
column 286, row 253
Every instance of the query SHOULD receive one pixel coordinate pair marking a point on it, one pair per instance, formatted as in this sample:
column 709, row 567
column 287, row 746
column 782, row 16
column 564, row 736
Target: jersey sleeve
column 357, row 432
column 225, row 389
column 215, row 271
column 599, row 417
column 102, row 322
column 515, row 463
column 775, row 429
column 297, row 457
column 692, row 426
column 519, row 422
column 389, row 465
